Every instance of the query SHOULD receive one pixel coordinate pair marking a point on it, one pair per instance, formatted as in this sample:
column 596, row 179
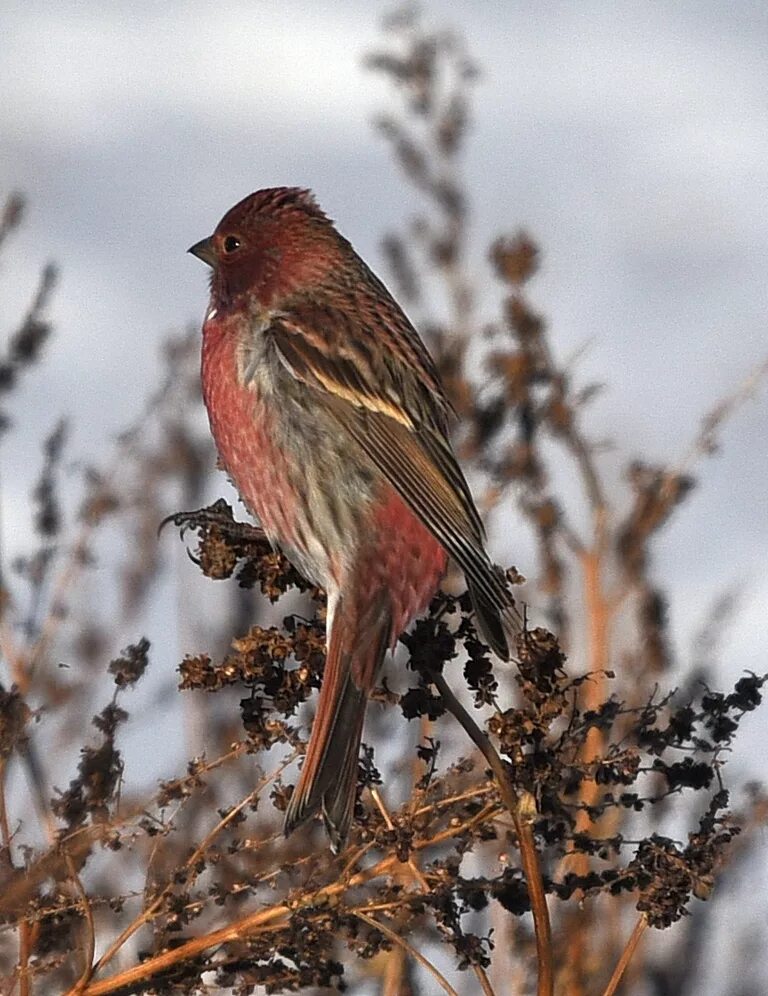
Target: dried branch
column 522, row 810
column 626, row 956
column 417, row 955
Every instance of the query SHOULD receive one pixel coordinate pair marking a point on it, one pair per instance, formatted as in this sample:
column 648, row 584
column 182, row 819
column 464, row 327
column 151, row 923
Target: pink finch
column 331, row 422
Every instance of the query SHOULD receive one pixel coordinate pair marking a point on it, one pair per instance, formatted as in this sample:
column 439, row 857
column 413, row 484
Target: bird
column 330, row 420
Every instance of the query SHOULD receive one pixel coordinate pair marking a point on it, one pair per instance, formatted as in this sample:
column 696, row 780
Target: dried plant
column 538, row 818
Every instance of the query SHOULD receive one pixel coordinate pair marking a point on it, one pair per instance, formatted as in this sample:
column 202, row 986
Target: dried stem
column 25, row 931
column 520, row 811
column 11, row 215
column 705, row 443
column 22, row 969
column 146, row 915
column 414, row 868
column 5, row 832
column 482, row 978
column 90, row 929
column 598, row 614
column 397, row 939
column 626, row 956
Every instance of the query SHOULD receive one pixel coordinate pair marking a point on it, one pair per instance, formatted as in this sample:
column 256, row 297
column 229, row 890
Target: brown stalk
column 65, row 583
column 626, row 956
column 22, row 970
column 520, row 811
column 417, row 955
column 451, row 799
column 704, row 441
column 25, row 950
column 598, row 612
column 482, row 978
column 5, row 832
column 11, row 215
column 415, row 870
column 77, row 844
column 485, row 982
column 90, row 929
column 394, row 975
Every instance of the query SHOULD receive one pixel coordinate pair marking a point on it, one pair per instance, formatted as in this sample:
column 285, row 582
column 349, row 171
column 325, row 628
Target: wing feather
column 398, row 419
column 449, row 516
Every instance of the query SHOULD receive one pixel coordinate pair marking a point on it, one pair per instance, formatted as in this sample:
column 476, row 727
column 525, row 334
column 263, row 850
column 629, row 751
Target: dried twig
column 412, row 951
column 414, row 868
column 626, row 956
column 521, row 810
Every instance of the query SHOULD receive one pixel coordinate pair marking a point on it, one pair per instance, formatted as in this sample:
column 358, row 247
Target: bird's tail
column 328, row 778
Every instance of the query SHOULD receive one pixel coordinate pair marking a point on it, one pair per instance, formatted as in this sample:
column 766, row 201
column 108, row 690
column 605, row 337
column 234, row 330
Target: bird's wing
column 389, row 406
column 399, row 423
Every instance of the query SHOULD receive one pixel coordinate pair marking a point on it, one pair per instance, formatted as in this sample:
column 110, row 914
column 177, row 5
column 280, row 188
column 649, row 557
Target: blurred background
column 628, row 140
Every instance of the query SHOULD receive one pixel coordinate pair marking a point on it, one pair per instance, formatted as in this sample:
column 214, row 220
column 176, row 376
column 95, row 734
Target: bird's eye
column 231, row 244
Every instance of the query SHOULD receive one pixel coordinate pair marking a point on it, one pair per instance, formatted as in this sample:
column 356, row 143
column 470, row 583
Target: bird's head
column 271, row 244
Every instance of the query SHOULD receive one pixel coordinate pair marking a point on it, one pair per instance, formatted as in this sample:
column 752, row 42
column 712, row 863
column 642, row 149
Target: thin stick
column 528, row 853
column 22, row 968
column 24, row 953
column 401, row 942
column 414, row 868
column 449, row 800
column 150, row 910
column 5, row 830
column 263, row 919
column 600, row 613
column 90, row 929
column 626, row 956
column 485, row 982
column 702, row 444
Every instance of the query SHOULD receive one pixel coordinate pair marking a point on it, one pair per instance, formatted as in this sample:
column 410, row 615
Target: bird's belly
column 292, row 466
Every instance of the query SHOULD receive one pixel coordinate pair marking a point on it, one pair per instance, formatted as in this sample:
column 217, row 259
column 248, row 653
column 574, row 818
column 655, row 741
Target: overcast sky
column 630, row 139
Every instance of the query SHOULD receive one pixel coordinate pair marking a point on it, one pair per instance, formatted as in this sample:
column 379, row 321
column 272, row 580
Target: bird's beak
column 204, row 250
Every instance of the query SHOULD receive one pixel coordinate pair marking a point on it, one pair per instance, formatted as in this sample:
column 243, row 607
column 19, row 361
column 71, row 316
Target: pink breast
column 242, row 427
